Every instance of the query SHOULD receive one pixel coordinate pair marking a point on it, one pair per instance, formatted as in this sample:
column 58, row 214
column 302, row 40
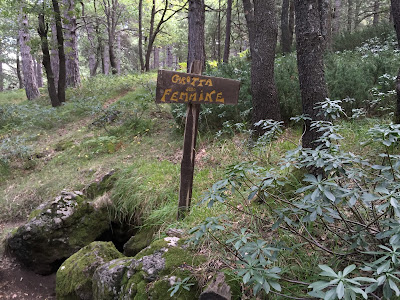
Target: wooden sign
column 176, row 87
column 193, row 89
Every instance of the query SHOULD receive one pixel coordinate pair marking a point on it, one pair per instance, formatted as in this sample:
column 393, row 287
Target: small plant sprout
column 180, row 284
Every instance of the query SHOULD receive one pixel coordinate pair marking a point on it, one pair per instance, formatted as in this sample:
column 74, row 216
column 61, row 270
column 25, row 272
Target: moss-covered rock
column 57, row 230
column 139, row 241
column 74, row 277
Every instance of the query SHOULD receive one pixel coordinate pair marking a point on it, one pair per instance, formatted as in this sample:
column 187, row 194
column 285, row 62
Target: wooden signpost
column 193, row 89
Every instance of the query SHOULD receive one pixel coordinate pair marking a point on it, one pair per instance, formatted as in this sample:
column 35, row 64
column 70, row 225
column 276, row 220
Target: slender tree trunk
column 152, row 36
column 18, row 62
column 338, row 15
column 156, row 57
column 285, row 35
column 106, row 60
column 39, row 73
column 73, row 77
column 291, row 22
column 349, row 14
column 263, row 30
column 395, row 8
column 51, row 87
column 93, row 59
column 61, row 53
column 228, row 26
column 118, row 54
column 356, row 14
column 55, row 62
column 310, row 35
column 219, row 32
column 141, row 36
column 170, row 58
column 376, row 12
column 329, row 26
column 196, row 48
column 28, row 70
column 1, row 69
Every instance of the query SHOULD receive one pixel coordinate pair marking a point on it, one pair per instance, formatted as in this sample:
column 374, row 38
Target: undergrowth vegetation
column 287, row 221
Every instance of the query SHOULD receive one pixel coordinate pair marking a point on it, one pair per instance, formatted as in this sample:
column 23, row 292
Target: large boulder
column 58, row 229
column 148, row 275
column 74, row 277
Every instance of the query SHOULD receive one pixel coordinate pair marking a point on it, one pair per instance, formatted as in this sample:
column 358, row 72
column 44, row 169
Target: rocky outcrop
column 57, row 230
column 74, row 277
column 148, row 275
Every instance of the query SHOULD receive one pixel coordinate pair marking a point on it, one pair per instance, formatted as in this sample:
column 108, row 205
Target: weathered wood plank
column 177, row 87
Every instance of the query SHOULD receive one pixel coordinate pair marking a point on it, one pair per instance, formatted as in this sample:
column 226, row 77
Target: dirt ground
column 17, row 282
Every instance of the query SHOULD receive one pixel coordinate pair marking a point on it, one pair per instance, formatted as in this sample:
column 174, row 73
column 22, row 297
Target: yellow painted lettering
column 190, row 89
column 219, row 98
column 194, row 80
column 209, row 96
column 174, row 96
column 183, row 80
column 202, row 81
column 209, row 82
column 175, row 78
column 193, row 97
column 201, row 97
column 166, row 93
column 184, row 96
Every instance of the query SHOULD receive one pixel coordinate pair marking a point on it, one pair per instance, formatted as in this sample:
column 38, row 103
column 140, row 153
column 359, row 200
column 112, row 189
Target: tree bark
column 156, row 57
column 61, row 53
column 106, row 60
column 55, row 62
column 349, row 14
column 228, row 26
column 28, row 70
column 170, row 58
column 263, row 30
column 1, row 69
column 219, row 32
column 356, row 14
column 285, row 34
column 113, row 12
column 18, row 62
column 39, row 73
column 310, row 35
column 376, row 13
column 73, row 77
column 51, row 87
column 118, row 54
column 395, row 8
column 337, row 16
column 141, row 36
column 196, row 50
column 291, row 21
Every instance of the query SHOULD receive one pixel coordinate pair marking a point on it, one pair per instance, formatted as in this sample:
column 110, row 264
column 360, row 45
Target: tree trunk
column 106, row 60
column 349, row 14
column 285, row 35
column 28, row 70
column 141, row 36
column 291, row 22
column 118, row 54
column 39, row 73
column 329, row 26
column 152, row 37
column 310, row 35
column 18, row 62
column 156, row 57
column 196, row 50
column 219, row 32
column 263, row 31
column 51, row 87
column 170, row 58
column 337, row 16
column 73, row 77
column 395, row 8
column 376, row 12
column 61, row 53
column 356, row 14
column 227, row 45
column 1, row 69
column 55, row 63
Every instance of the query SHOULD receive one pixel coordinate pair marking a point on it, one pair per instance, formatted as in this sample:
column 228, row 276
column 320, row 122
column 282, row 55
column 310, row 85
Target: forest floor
column 17, row 282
